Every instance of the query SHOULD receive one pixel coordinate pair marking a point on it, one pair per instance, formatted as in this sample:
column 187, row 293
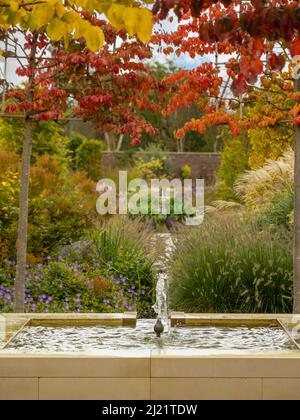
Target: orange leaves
column 295, row 114
column 188, row 87
column 211, row 119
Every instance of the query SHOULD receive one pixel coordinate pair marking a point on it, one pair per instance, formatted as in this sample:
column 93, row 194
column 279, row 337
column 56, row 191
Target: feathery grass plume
column 226, row 205
column 258, row 187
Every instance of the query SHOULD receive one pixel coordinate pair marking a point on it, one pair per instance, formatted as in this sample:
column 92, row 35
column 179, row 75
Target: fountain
column 161, row 306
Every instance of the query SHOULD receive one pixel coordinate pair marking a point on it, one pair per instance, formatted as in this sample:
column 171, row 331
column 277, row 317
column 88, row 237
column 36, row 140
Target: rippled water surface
column 89, row 339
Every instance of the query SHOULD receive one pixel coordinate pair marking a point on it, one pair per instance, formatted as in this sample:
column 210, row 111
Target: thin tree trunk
column 297, row 216
column 107, row 138
column 23, row 218
column 120, row 142
column 24, row 188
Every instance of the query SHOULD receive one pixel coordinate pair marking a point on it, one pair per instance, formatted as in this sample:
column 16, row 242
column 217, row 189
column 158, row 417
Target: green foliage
column 153, row 163
column 186, row 172
column 233, row 162
column 170, row 215
column 88, row 158
column 121, row 249
column 48, row 138
column 268, row 143
column 232, row 267
column 75, row 140
column 279, row 211
column 110, row 271
column 61, row 205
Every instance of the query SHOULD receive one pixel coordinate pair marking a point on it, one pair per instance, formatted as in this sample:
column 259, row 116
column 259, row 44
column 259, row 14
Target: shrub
column 268, row 143
column 232, row 267
column 233, row 161
column 108, row 272
column 61, row 206
column 153, row 163
column 48, row 138
column 122, row 248
column 186, row 172
column 168, row 217
column 88, row 158
column 154, row 168
column 279, row 211
column 75, row 140
column 56, row 286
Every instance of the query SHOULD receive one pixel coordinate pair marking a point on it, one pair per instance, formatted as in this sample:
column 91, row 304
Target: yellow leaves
column 145, row 24
column 94, row 38
column 57, row 29
column 64, row 20
column 42, row 14
column 135, row 20
column 92, row 34
column 14, row 5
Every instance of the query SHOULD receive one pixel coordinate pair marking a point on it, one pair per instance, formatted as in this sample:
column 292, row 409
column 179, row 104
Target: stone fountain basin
column 160, row 374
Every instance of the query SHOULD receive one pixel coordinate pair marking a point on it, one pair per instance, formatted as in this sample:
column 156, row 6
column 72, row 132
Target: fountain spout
column 158, row 328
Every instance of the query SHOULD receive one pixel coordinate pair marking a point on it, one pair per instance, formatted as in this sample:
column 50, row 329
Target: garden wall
column 203, row 165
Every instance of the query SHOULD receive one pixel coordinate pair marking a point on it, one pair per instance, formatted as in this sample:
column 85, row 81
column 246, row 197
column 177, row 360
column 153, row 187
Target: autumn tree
column 34, row 27
column 250, row 43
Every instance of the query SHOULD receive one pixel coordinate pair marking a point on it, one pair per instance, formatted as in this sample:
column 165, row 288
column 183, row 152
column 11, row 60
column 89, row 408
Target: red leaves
column 276, row 62
column 50, row 115
column 89, row 102
column 239, row 85
column 295, row 47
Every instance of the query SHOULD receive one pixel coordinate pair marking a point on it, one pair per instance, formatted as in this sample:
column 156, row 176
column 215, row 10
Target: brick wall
column 203, row 165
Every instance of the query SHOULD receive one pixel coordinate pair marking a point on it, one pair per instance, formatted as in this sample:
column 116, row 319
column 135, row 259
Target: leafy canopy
column 64, row 20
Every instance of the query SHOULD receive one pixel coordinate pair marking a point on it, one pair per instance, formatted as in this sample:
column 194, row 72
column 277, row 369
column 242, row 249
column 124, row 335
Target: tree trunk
column 23, row 218
column 24, row 186
column 120, row 142
column 297, row 216
column 107, row 138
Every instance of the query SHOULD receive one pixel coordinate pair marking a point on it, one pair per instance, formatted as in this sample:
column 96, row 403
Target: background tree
column 261, row 37
column 41, row 24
